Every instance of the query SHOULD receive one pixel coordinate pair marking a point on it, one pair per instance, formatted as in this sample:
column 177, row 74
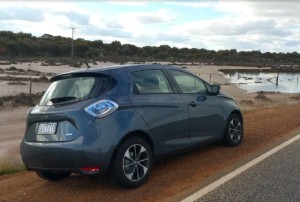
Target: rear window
column 73, row 89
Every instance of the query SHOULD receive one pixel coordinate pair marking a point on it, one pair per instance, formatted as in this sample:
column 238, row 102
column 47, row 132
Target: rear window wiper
column 62, row 99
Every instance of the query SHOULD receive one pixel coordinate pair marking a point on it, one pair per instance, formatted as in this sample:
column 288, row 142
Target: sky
column 245, row 25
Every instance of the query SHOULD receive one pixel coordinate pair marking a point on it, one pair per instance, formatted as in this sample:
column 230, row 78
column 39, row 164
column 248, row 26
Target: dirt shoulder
column 172, row 178
column 12, row 127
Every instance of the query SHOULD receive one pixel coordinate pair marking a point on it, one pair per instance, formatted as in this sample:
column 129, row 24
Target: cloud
column 162, row 37
column 113, row 24
column 103, row 31
column 282, row 9
column 156, row 39
column 166, row 37
column 292, row 43
column 239, row 43
column 76, row 17
column 230, row 26
column 128, row 3
column 149, row 19
column 193, row 4
column 272, row 32
column 160, row 16
column 21, row 13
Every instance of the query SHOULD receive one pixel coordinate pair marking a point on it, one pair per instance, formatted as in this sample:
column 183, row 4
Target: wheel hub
column 136, row 162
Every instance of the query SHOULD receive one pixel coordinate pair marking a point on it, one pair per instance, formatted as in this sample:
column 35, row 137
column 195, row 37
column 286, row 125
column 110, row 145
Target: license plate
column 47, row 128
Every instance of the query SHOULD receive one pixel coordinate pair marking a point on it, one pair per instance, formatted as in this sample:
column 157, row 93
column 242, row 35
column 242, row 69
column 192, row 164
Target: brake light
column 90, row 170
column 101, row 108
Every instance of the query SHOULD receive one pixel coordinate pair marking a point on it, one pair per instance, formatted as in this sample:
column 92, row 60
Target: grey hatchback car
column 121, row 118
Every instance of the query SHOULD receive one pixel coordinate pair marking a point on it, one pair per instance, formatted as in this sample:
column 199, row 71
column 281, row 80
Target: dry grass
column 13, row 78
column 296, row 97
column 248, row 102
column 16, row 83
column 10, row 166
column 21, row 99
column 261, row 96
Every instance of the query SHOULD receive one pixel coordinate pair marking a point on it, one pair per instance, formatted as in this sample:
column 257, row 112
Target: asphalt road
column 275, row 179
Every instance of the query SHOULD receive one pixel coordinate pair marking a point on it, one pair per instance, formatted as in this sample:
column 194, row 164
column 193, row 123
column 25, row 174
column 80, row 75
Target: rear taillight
column 90, row 170
column 101, row 108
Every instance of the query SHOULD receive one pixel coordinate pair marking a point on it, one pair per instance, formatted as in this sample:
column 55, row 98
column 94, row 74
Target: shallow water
column 270, row 82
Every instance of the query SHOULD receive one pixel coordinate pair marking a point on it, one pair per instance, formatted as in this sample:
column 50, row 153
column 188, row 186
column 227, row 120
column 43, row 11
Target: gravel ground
column 275, row 179
column 171, row 179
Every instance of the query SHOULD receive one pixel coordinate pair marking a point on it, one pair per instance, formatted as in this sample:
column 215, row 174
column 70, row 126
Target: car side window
column 150, row 82
column 189, row 83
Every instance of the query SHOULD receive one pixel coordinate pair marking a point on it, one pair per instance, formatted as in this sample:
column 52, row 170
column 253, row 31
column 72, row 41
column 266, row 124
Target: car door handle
column 193, row 104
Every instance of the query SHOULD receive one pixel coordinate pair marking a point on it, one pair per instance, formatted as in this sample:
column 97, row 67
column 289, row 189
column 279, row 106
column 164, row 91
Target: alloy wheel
column 235, row 130
column 136, row 162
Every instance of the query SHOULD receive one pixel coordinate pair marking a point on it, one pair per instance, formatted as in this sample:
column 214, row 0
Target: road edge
column 198, row 194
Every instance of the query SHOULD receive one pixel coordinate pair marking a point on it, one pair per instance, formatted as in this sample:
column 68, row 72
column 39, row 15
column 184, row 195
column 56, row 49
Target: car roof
column 114, row 67
column 107, row 69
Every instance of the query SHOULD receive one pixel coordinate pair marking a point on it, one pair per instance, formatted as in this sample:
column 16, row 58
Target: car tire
column 132, row 163
column 234, row 132
column 51, row 176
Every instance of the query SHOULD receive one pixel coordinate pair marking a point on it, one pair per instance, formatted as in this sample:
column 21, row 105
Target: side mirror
column 215, row 89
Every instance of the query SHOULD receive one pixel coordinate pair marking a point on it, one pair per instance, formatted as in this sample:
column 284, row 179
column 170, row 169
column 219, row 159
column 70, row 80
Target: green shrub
column 11, row 166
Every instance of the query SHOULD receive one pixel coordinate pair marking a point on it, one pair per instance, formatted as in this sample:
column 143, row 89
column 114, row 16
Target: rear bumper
column 63, row 156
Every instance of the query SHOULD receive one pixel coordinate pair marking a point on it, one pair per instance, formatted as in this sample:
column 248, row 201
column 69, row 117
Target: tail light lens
column 101, row 108
column 90, row 170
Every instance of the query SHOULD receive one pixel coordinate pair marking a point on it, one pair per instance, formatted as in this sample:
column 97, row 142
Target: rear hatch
column 60, row 115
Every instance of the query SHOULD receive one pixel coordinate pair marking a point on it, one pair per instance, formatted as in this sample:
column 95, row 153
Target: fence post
column 30, row 85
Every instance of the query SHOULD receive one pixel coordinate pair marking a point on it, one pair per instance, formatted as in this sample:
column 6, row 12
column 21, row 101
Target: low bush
column 262, row 97
column 11, row 69
column 10, row 166
column 41, row 79
column 248, row 102
column 24, row 99
column 21, row 99
column 16, row 83
column 296, row 97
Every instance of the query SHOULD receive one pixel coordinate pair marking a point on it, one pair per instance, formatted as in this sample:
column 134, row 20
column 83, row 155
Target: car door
column 164, row 111
column 205, row 112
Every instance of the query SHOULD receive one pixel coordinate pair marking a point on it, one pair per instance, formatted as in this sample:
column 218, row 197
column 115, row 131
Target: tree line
column 20, row 45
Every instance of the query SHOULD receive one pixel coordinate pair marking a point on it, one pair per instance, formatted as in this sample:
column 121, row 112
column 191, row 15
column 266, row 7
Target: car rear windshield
column 73, row 89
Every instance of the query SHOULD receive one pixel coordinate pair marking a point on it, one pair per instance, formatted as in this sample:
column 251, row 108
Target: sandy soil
column 12, row 127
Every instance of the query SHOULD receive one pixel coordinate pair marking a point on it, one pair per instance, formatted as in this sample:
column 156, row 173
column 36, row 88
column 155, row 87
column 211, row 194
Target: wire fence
column 35, row 87
column 213, row 78
column 25, row 87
